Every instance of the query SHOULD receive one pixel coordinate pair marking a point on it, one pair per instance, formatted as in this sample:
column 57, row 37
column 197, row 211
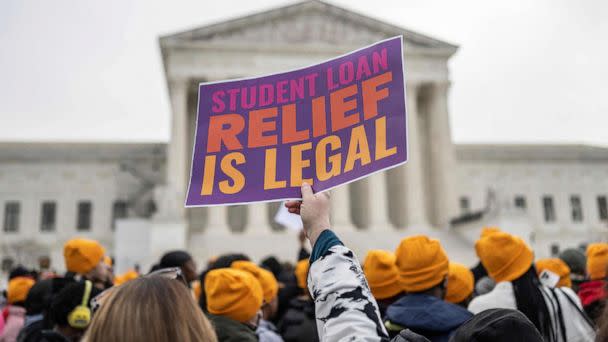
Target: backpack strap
column 581, row 312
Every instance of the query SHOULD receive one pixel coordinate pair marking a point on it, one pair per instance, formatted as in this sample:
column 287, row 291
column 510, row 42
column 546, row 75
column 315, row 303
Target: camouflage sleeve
column 344, row 306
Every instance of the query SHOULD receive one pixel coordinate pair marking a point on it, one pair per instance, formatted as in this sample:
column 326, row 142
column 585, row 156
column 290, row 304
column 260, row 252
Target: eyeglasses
column 173, row 273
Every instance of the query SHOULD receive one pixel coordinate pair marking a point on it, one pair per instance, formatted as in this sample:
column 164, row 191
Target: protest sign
column 258, row 139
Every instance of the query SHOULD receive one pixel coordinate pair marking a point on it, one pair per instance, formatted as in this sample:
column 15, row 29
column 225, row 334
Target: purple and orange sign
column 258, row 139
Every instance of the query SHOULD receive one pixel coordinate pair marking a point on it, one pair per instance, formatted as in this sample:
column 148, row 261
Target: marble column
column 442, row 156
column 340, row 209
column 257, row 219
column 415, row 203
column 177, row 161
column 378, row 202
column 217, row 219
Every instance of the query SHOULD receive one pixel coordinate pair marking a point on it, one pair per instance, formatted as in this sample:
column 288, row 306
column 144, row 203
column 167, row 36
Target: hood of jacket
column 592, row 291
column 427, row 313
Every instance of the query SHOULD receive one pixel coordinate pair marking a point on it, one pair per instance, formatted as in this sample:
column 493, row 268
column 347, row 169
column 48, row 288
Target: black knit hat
column 497, row 325
column 174, row 259
column 575, row 259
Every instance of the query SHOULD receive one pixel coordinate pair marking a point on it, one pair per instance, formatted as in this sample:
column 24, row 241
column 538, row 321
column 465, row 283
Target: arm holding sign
column 344, row 306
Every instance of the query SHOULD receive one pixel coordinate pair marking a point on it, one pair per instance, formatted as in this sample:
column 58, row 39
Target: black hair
column 66, row 300
column 39, row 297
column 226, row 260
column 223, row 261
column 273, row 265
column 19, row 271
column 174, row 259
column 531, row 302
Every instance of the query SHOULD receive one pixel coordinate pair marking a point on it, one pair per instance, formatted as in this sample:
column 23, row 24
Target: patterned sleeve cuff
column 326, row 240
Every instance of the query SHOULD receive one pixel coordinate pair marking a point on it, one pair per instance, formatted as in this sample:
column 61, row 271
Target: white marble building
column 468, row 185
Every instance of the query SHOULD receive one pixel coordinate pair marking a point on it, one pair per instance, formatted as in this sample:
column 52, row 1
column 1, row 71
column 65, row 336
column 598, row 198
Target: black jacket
column 298, row 324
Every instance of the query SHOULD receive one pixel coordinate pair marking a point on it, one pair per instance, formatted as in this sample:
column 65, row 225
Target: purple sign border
column 406, row 133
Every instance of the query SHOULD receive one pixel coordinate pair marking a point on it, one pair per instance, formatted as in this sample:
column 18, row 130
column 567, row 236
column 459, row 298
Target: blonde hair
column 150, row 309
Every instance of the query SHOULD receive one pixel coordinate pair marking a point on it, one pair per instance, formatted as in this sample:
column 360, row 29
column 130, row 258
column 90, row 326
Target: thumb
column 306, row 191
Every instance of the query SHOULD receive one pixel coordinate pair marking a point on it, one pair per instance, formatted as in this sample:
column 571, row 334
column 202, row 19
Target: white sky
column 526, row 71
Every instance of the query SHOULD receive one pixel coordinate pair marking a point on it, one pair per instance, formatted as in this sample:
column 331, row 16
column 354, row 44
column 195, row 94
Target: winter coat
column 14, row 322
column 593, row 297
column 298, row 324
column 267, row 332
column 577, row 326
column 229, row 330
column 426, row 315
column 345, row 309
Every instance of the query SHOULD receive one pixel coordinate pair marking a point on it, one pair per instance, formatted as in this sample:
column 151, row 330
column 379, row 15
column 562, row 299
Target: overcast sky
column 526, row 71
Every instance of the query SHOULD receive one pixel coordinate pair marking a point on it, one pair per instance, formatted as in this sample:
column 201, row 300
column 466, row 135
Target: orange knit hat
column 557, row 266
column 422, row 263
column 82, row 255
column 233, row 293
column 126, row 277
column 460, row 283
column 269, row 283
column 382, row 274
column 485, row 231
column 302, row 273
column 506, row 257
column 597, row 260
column 18, row 288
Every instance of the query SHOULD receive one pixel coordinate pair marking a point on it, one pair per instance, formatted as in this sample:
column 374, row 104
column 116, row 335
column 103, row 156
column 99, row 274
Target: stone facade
column 64, row 175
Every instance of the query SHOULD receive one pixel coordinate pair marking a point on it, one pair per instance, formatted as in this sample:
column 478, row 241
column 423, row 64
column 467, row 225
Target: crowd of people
column 415, row 293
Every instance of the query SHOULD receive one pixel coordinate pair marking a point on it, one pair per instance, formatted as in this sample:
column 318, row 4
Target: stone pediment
column 309, row 22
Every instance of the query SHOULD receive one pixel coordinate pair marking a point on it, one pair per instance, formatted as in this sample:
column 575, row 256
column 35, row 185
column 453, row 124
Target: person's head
column 506, row 257
column 497, row 325
column 125, row 277
column 19, row 271
column 234, row 294
column 225, row 260
column 110, row 267
column 597, row 260
column 382, row 274
column 270, row 286
column 39, row 297
column 460, row 285
column 423, row 265
column 509, row 258
column 272, row 264
column 86, row 258
column 70, row 311
column 150, row 309
column 301, row 272
column 181, row 259
column 556, row 266
column 17, row 290
column 489, row 230
column 577, row 261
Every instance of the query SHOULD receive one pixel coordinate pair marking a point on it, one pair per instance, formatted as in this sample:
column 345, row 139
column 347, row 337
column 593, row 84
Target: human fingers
column 292, row 204
column 307, row 193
